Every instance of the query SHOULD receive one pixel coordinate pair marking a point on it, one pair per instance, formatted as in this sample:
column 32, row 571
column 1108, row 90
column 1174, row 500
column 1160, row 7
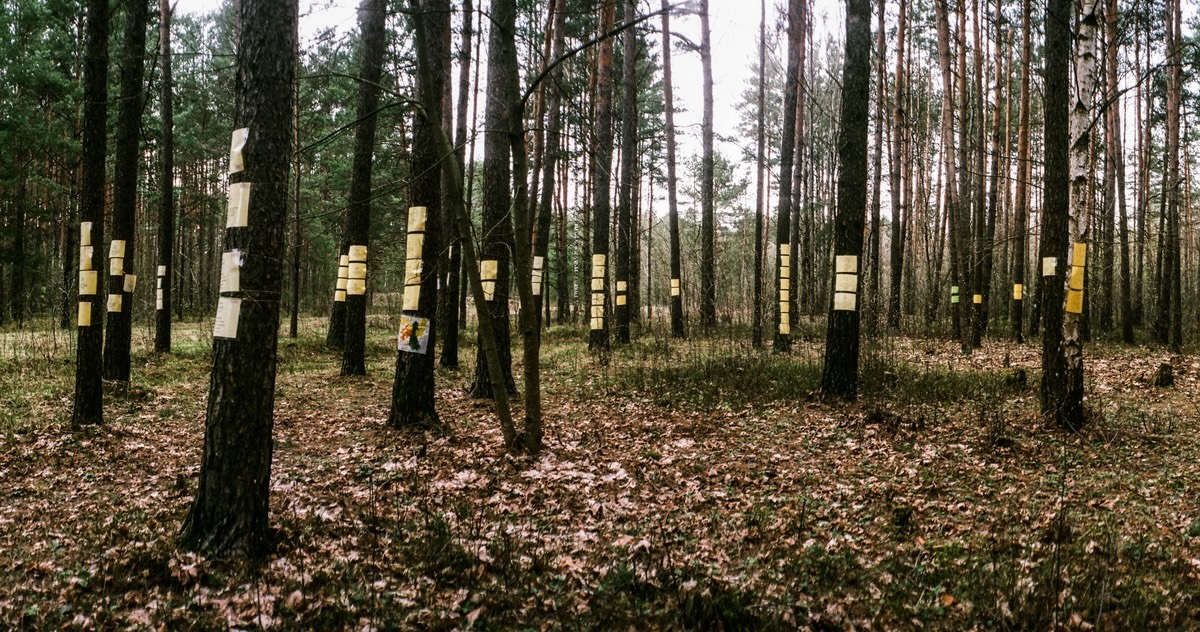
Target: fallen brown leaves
column 644, row 510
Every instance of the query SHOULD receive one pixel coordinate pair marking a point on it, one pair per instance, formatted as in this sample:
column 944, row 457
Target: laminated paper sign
column 356, row 287
column 226, row 323
column 414, row 334
column 847, row 263
column 116, row 249
column 114, row 302
column 785, row 329
column 237, row 215
column 162, row 271
column 84, row 317
column 357, row 253
column 977, row 299
column 130, row 283
column 1018, row 291
column 621, row 285
column 339, row 296
column 844, row 302
column 356, row 270
column 416, row 219
column 1075, row 301
column 1049, row 265
column 236, row 145
column 87, row 282
column 85, row 233
column 158, row 300
column 231, row 275
column 116, row 266
column 412, row 298
column 620, row 299
column 846, row 282
column 85, row 257
column 674, row 287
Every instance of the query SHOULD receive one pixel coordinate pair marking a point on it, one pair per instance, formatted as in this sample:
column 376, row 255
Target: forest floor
column 684, row 485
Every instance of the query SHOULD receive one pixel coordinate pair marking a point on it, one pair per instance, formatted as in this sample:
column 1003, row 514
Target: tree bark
column 449, row 309
column 602, row 149
column 840, row 375
column 497, row 197
column 627, row 203
column 88, row 403
column 708, row 278
column 1117, row 156
column 676, row 287
column 166, row 209
column 229, row 513
column 1023, row 176
column 1055, row 207
column 787, row 154
column 372, row 18
column 898, row 182
column 762, row 179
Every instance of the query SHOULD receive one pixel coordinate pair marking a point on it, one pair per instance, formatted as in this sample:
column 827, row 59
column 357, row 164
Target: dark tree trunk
column 1024, row 173
column 89, row 407
column 413, row 404
column 166, row 209
column 787, row 154
column 229, row 514
column 372, row 17
column 761, row 178
column 125, row 178
column 602, row 150
column 497, row 196
column 708, row 276
column 874, row 264
column 898, row 176
column 840, row 375
column 1116, row 156
column 1055, row 207
column 550, row 161
column 449, row 309
column 676, row 287
column 627, row 204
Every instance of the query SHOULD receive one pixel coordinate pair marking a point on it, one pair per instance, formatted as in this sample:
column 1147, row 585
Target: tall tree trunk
column 1174, row 273
column 372, row 19
column 761, row 180
column 708, row 277
column 550, row 159
column 1055, row 207
column 125, row 180
column 840, row 375
column 1023, row 176
column 413, row 404
column 229, row 513
column 88, row 403
column 497, row 196
column 448, row 311
column 898, row 181
column 787, row 155
column 602, row 150
column 984, row 286
column 676, row 291
column 872, row 305
column 1117, row 156
column 954, row 212
column 627, row 203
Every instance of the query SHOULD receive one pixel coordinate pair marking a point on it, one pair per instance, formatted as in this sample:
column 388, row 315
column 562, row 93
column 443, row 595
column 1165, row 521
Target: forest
column 533, row 314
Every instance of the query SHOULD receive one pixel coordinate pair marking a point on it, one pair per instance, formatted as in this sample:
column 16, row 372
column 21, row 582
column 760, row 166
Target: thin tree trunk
column 449, row 309
column 872, row 305
column 626, row 204
column 708, row 279
column 1023, row 177
column 762, row 177
column 676, row 287
column 787, row 153
column 598, row 339
column 897, row 177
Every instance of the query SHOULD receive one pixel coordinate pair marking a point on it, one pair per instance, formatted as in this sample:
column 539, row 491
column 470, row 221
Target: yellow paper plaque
column 598, row 284
column 341, row 283
column 785, row 283
column 130, row 283
column 597, row 299
column 412, row 299
column 620, row 299
column 784, row 308
column 1018, row 291
column 343, row 261
column 538, row 263
column 977, row 299
column 158, row 300
column 416, row 219
column 114, row 302
column 847, row 263
column 844, row 301
column 488, row 269
column 339, row 296
column 785, row 261
column 356, row 270
column 1075, row 301
column 85, row 233
column 412, row 272
column 598, row 262
column 87, row 282
column 85, row 257
column 357, row 253
column 785, row 329
column 84, row 316
column 357, row 287
column 846, row 282
column 1079, row 254
column 621, row 285
column 116, row 266
column 162, row 271
column 1076, row 280
column 116, row 248
column 675, row 287
column 489, row 290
